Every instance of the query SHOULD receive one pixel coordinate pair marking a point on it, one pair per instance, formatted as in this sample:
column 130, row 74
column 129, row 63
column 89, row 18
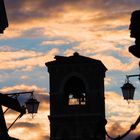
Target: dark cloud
column 33, row 33
column 22, row 11
column 17, row 10
column 46, row 138
column 25, row 124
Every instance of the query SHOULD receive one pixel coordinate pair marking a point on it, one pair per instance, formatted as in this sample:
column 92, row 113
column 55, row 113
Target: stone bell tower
column 77, row 107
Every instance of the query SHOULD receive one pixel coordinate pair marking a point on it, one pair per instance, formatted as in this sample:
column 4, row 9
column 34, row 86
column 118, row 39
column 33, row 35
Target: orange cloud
column 119, row 115
column 96, row 29
column 113, row 63
column 21, row 88
column 11, row 60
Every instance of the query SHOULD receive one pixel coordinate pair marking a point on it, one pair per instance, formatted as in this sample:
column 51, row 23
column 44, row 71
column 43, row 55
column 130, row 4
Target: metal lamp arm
column 15, row 121
column 134, row 75
column 124, row 135
column 20, row 115
column 133, row 126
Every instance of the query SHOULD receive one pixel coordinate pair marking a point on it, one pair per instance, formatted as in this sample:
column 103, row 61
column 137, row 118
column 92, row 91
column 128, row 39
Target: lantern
column 128, row 91
column 32, row 105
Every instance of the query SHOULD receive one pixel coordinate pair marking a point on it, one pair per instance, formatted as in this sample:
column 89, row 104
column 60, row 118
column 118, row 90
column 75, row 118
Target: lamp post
column 11, row 102
column 128, row 91
column 31, row 105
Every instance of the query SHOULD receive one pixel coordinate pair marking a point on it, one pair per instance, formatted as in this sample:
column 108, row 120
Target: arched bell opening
column 75, row 91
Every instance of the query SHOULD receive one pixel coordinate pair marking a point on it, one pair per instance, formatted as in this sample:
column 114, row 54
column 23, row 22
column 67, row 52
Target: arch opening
column 75, row 91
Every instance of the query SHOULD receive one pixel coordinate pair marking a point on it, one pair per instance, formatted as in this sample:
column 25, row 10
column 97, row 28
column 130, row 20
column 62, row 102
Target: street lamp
column 11, row 102
column 128, row 89
column 128, row 93
column 32, row 105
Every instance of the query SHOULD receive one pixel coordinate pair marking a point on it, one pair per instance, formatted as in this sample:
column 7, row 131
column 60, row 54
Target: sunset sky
column 40, row 29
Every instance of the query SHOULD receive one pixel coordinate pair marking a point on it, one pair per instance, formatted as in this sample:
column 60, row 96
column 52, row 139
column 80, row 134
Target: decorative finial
column 76, row 54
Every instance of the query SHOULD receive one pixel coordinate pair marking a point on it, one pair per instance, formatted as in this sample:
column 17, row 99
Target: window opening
column 77, row 100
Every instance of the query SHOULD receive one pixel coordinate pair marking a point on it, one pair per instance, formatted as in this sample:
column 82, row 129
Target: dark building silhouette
column 3, row 17
column 77, row 107
column 13, row 104
column 135, row 33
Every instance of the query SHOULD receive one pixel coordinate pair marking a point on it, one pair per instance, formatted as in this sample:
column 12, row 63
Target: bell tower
column 77, row 107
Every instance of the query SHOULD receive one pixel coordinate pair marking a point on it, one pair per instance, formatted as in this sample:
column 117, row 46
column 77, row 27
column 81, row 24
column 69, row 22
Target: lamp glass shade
column 32, row 105
column 128, row 91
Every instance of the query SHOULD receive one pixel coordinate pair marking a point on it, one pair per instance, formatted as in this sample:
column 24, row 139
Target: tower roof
column 76, row 58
